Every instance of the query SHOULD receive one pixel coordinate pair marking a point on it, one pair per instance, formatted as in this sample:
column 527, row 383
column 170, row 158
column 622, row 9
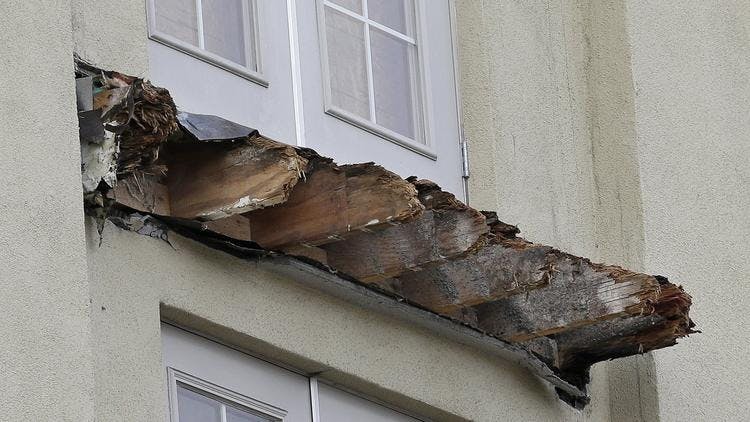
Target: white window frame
column 422, row 97
column 227, row 397
column 199, row 52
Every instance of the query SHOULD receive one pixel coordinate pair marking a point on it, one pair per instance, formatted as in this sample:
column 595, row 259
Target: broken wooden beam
column 446, row 230
column 335, row 202
column 495, row 271
column 580, row 293
column 224, row 184
column 213, row 180
column 660, row 325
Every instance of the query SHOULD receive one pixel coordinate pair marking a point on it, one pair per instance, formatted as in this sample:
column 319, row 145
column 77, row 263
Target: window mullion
column 223, row 412
column 368, row 49
column 199, row 14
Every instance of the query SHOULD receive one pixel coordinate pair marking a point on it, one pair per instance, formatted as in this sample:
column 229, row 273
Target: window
column 371, row 66
column 220, row 32
column 199, row 401
column 209, row 382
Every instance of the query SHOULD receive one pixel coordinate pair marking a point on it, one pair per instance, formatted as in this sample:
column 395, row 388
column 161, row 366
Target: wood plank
column 335, row 202
column 209, row 181
column 142, row 192
column 446, row 229
column 665, row 322
column 500, row 269
column 235, row 226
column 579, row 294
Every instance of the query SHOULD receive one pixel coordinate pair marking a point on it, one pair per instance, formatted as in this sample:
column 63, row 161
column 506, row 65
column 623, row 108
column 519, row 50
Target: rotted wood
column 335, row 202
column 142, row 192
column 210, row 180
column 662, row 320
column 407, row 237
column 446, row 229
column 579, row 294
column 498, row 265
column 500, row 269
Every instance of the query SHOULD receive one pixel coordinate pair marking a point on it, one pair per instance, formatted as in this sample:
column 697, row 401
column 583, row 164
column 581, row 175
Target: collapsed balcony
column 402, row 246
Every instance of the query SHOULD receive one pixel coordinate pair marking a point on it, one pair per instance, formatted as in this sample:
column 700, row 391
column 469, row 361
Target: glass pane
column 395, row 14
column 237, row 415
column 394, row 68
column 224, row 30
column 347, row 63
column 177, row 18
column 353, row 5
column 194, row 407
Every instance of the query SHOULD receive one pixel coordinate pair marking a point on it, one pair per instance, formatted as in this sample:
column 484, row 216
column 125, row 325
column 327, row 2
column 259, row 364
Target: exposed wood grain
column 579, row 294
column 235, row 226
column 209, row 181
column 335, row 202
column 659, row 325
column 446, row 229
column 143, row 192
column 494, row 271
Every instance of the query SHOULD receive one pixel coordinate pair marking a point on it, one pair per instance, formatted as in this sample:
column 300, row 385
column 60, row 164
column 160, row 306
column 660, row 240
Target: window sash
column 226, row 398
column 251, row 44
column 421, row 143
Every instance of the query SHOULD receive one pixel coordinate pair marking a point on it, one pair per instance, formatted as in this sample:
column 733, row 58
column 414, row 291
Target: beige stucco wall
column 548, row 112
column 45, row 357
column 619, row 130
column 691, row 71
column 112, row 34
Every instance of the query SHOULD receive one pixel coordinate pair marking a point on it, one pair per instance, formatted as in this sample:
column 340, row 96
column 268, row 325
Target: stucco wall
column 45, row 357
column 548, row 112
column 691, row 68
column 112, row 34
column 637, row 114
column 247, row 305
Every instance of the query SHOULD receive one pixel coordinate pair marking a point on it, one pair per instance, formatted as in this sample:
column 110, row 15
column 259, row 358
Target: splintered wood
column 406, row 238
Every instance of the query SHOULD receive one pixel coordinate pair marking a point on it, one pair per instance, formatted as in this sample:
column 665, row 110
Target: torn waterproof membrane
column 402, row 246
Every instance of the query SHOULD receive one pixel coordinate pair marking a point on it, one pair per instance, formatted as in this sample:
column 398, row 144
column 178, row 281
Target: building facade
column 614, row 130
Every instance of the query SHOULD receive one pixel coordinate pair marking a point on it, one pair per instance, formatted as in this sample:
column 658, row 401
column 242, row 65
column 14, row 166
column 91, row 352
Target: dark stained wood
column 497, row 270
column 446, row 229
column 579, row 294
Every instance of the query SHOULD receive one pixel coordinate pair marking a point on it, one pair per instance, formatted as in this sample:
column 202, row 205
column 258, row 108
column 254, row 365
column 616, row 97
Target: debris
column 151, row 170
column 207, row 128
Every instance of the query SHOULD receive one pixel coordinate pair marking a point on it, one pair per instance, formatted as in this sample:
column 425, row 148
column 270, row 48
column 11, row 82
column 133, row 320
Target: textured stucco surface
column 246, row 304
column 113, row 34
column 691, row 67
column 549, row 112
column 45, row 357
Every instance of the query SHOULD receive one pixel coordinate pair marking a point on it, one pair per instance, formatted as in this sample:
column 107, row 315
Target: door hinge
column 464, row 155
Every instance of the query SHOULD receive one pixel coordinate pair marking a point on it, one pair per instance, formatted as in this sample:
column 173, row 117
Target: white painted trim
column 424, row 80
column 201, row 30
column 368, row 65
column 382, row 131
column 314, row 399
column 368, row 398
column 423, row 125
column 201, row 54
column 366, row 19
column 299, row 112
column 459, row 107
column 226, row 396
